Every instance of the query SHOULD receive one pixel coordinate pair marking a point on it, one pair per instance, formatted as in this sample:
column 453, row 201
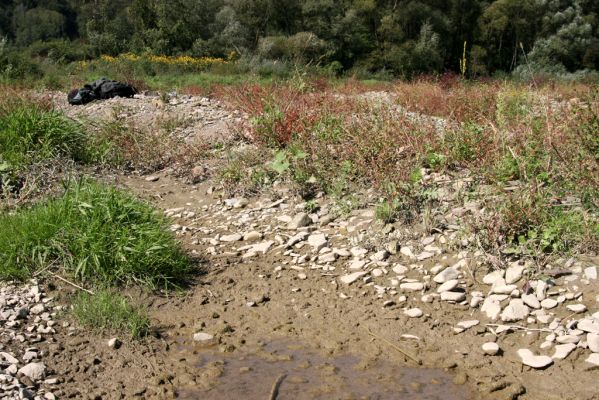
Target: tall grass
column 95, row 234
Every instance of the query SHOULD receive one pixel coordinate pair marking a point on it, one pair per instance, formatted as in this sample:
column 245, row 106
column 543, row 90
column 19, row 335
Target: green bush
column 95, row 234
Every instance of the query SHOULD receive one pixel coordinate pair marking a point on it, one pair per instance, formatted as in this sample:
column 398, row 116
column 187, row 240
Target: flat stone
column 468, row 324
column 515, row 311
column 528, row 358
column 252, row 236
column 541, row 291
column 490, row 348
column 425, row 255
column 593, row 359
column 492, row 277
column 447, row 286
column 34, row 371
column 357, row 264
column 491, row 307
column 9, row 358
column 317, row 241
column 380, row 255
column 514, row 273
column 548, row 304
column 568, row 339
column 262, row 247
column 531, row 301
column 593, row 342
column 446, row 275
column 152, row 178
column 327, row 258
column 563, row 350
column 203, row 337
column 299, row 221
column 577, row 308
column 235, row 237
column 590, row 273
column 453, row 296
column 400, row 269
column 501, row 287
column 590, row 325
column 412, row 286
column 351, row 278
column 414, row 313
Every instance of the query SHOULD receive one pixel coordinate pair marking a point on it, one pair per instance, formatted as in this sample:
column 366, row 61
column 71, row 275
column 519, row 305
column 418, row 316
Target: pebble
column 577, row 308
column 593, row 342
column 593, row 359
column 412, row 286
column 252, row 236
column 447, row 274
column 299, row 221
column 414, row 313
column 591, row 273
column 515, row 311
column 152, row 178
column 317, row 241
column 548, row 304
column 528, row 358
column 490, row 348
column 351, row 278
column 468, row 324
column 491, row 308
column 531, row 301
column 453, row 296
column 231, row 238
column 568, row 339
column 514, row 273
column 563, row 350
column 493, row 277
column 34, row 371
column 114, row 343
column 588, row 325
column 448, row 286
column 203, row 337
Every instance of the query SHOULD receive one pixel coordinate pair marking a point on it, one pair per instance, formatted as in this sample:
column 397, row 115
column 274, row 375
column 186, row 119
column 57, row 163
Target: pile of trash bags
column 103, row 88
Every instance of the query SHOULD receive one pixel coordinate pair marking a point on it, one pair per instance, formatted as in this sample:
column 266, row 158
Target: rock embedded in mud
column 34, row 371
column 493, row 277
column 531, row 301
column 490, row 348
column 515, row 311
column 453, row 296
column 491, row 307
column 299, row 221
column 447, row 274
column 563, row 350
column 577, row 308
column 593, row 359
column 414, row 313
column 593, row 342
column 114, row 343
column 235, row 237
column 412, row 286
column 317, row 241
column 514, row 273
column 203, row 338
column 468, row 324
column 589, row 325
column 590, row 273
column 548, row 304
column 528, row 358
column 351, row 278
column 252, row 236
column 448, row 286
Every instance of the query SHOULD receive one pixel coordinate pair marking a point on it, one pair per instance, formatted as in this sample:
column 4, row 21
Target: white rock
column 380, row 255
column 414, row 313
column 262, row 247
column 425, row 255
column 577, row 308
column 563, row 350
column 540, row 290
column 202, row 337
column 514, row 273
column 589, row 325
column 35, row 371
column 515, row 311
column 492, row 277
column 453, row 296
column 357, row 264
column 446, row 275
column 491, row 307
column 475, row 301
column 531, row 301
column 490, row 348
column 299, row 221
column 231, row 238
column 548, row 304
column 468, row 324
column 568, row 339
column 114, row 343
column 528, row 358
column 351, row 278
column 590, row 273
column 406, row 251
column 412, row 286
column 447, row 286
column 593, row 342
column 377, row 272
column 500, row 287
column 593, row 359
column 9, row 358
column 400, row 269
column 252, row 236
column 317, row 241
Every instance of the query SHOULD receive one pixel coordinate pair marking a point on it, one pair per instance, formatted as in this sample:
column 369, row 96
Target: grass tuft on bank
column 95, row 234
column 107, row 311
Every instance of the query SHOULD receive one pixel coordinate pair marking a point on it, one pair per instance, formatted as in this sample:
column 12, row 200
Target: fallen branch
column 274, row 392
column 393, row 345
column 514, row 327
column 71, row 283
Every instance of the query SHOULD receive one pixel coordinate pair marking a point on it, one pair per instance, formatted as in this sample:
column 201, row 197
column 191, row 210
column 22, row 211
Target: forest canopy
column 402, row 37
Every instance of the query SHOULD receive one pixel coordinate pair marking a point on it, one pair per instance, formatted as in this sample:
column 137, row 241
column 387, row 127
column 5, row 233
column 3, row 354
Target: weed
column 95, row 234
column 107, row 311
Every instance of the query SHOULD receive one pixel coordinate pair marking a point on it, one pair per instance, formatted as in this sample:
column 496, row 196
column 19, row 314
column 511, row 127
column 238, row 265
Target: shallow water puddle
column 285, row 371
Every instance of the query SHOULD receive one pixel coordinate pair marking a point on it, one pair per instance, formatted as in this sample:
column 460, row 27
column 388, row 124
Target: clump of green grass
column 29, row 133
column 95, row 234
column 109, row 311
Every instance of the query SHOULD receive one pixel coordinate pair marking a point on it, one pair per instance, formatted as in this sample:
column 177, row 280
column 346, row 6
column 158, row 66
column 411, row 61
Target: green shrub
column 95, row 234
column 109, row 311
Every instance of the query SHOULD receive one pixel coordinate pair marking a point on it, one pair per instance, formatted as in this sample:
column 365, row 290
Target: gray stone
column 514, row 273
column 563, row 350
column 448, row 286
column 515, row 311
column 414, row 313
column 453, row 296
column 351, row 278
column 299, row 221
column 34, row 371
column 490, row 348
column 446, row 275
